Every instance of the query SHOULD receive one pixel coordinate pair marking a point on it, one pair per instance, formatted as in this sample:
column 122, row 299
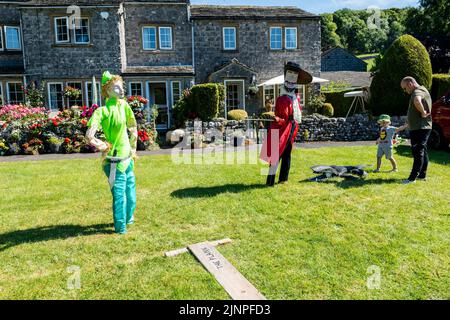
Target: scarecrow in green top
column 116, row 118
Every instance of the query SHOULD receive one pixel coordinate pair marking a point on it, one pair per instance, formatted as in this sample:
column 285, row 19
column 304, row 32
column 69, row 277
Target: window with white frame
column 55, row 95
column 14, row 92
column 1, row 95
column 290, row 38
column 136, row 89
column 165, row 38
column 72, row 101
column 149, row 38
column 176, row 91
column 229, row 38
column 12, row 38
column 269, row 95
column 89, row 94
column 75, row 31
column 81, row 30
column 1, row 39
column 276, row 38
column 62, row 30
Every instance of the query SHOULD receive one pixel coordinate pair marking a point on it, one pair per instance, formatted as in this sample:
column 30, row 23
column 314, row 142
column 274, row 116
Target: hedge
column 441, row 83
column 203, row 101
column 339, row 103
column 405, row 57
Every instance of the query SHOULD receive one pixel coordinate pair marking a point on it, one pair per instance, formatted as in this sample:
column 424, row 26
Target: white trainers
column 408, row 181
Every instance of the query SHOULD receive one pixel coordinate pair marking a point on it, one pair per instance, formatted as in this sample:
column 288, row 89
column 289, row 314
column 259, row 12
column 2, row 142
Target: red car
column 440, row 135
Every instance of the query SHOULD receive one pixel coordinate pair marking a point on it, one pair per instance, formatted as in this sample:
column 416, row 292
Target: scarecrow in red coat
column 284, row 129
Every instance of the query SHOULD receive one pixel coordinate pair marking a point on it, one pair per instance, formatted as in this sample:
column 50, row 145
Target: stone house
column 160, row 47
column 339, row 59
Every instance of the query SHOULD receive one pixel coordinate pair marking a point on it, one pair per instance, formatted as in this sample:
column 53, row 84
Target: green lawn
column 301, row 240
column 370, row 62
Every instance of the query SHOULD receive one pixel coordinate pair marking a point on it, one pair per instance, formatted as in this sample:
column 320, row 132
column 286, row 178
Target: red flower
column 84, row 122
column 143, row 136
column 66, row 140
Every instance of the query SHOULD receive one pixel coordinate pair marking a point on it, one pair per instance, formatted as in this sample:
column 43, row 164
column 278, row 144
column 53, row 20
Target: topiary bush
column 204, row 100
column 327, row 110
column 237, row 114
column 440, row 85
column 405, row 57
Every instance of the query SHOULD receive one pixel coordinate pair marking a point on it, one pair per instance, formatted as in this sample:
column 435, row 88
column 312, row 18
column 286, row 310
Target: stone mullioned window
column 72, row 31
column 290, row 38
column 157, row 38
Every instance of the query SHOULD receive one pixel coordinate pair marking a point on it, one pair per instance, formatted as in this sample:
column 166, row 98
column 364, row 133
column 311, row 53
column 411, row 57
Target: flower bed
column 25, row 130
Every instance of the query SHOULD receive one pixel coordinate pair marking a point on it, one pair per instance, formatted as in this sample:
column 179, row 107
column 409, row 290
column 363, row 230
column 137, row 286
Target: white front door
column 234, row 94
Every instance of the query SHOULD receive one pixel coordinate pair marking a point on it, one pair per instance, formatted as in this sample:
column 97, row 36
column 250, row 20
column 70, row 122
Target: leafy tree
column 330, row 38
column 438, row 13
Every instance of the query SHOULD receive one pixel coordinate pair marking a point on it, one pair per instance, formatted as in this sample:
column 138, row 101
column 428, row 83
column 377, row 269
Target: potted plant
column 54, row 144
column 72, row 93
column 253, row 90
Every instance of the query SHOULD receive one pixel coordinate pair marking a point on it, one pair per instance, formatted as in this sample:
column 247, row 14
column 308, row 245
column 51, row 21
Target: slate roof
column 356, row 79
column 88, row 2
column 158, row 70
column 235, row 61
column 249, row 12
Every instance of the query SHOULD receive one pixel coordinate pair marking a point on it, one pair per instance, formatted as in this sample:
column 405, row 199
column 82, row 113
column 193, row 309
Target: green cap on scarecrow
column 384, row 117
column 107, row 76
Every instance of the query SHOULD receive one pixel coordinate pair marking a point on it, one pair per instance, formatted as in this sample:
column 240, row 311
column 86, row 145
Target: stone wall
column 253, row 47
column 355, row 128
column 173, row 15
column 315, row 127
column 44, row 59
column 9, row 60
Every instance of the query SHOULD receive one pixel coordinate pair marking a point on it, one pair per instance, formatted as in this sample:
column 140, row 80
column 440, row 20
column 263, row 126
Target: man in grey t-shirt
column 420, row 124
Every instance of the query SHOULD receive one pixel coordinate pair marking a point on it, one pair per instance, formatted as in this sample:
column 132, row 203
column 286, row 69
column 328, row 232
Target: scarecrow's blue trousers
column 124, row 197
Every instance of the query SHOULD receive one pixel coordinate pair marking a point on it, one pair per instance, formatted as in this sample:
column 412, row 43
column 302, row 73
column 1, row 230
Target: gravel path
column 309, row 145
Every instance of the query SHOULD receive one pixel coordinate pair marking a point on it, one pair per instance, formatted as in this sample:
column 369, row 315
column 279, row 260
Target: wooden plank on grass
column 215, row 243
column 237, row 286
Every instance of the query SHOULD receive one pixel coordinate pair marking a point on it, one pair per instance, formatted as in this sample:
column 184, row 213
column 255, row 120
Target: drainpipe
column 192, row 40
column 23, row 51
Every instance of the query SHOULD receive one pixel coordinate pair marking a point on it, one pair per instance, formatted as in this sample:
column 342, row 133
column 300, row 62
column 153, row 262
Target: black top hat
column 303, row 76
